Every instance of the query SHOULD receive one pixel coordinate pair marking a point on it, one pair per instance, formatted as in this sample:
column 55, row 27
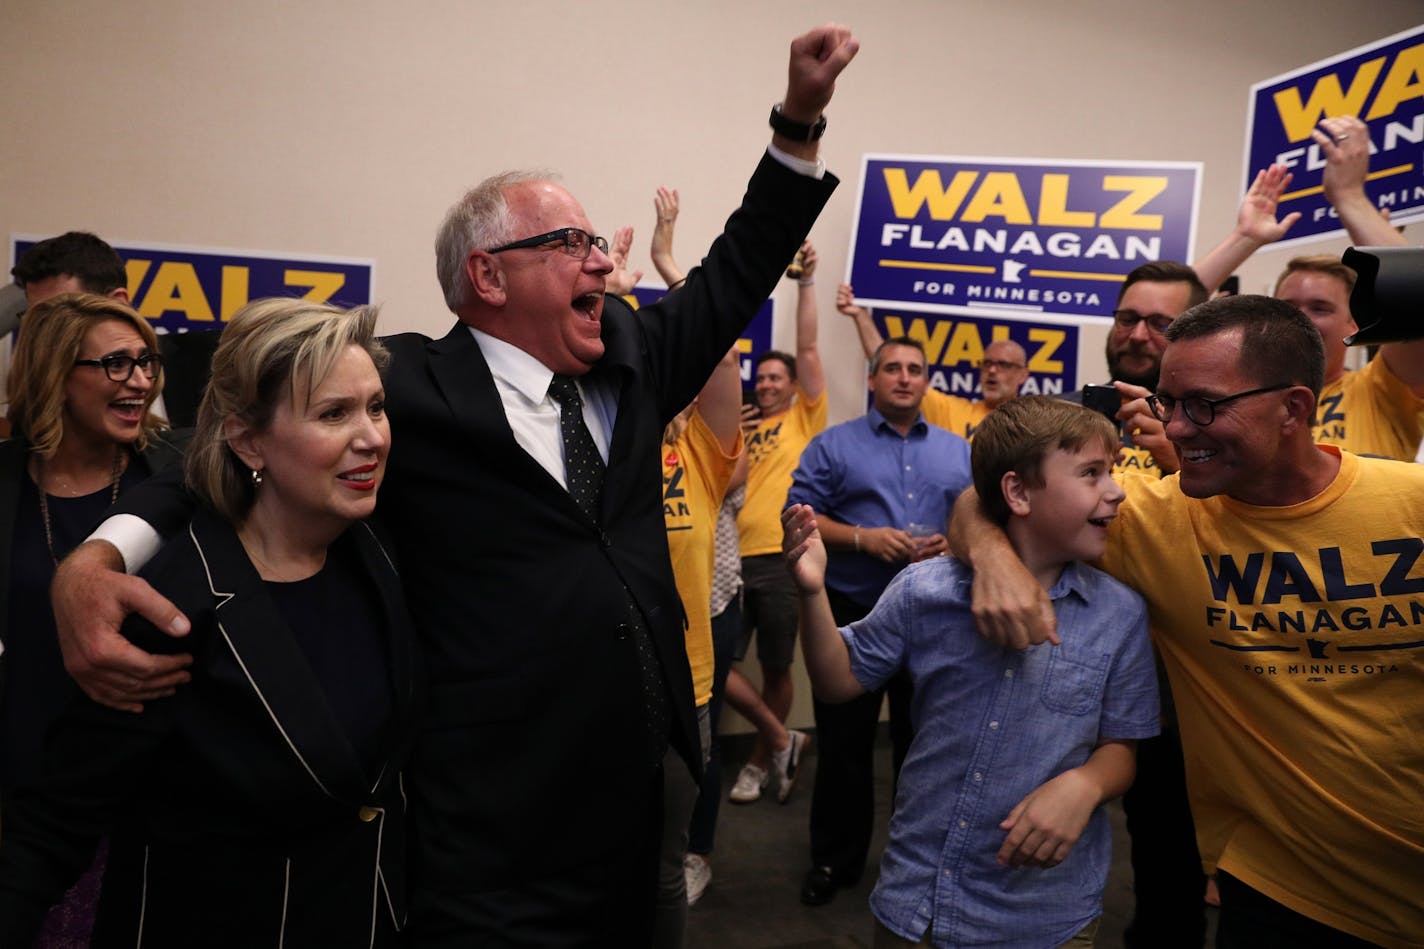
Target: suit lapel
column 272, row 664
column 401, row 644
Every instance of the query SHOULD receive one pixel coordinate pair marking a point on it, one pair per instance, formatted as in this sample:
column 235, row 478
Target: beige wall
column 345, row 128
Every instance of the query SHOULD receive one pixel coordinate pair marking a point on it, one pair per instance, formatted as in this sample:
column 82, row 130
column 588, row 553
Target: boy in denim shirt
column 998, row 838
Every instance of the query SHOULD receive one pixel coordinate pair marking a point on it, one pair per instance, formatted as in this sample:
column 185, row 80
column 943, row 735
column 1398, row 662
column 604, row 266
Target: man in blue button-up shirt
column 882, row 486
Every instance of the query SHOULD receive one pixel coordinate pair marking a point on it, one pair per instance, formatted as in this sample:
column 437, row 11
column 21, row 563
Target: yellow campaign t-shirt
column 695, row 477
column 773, row 451
column 1371, row 412
column 1294, row 641
column 954, row 414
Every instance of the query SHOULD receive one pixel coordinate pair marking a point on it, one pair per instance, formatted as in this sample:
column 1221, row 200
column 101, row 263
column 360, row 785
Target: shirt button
column 948, row 874
column 1008, row 673
column 978, row 776
column 964, row 823
column 993, row 725
column 367, row 814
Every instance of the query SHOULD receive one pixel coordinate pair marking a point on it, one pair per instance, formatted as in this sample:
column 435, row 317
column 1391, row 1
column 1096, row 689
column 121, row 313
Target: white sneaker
column 698, row 873
column 787, row 762
column 750, row 781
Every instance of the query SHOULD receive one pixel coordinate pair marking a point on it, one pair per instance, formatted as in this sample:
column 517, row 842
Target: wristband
column 796, row 131
column 857, row 538
column 805, row 283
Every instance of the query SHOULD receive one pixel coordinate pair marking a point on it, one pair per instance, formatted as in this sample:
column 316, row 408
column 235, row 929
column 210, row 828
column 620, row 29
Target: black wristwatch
column 796, row 131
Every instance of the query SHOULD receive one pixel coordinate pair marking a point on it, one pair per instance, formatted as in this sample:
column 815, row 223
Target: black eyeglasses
column 1200, row 411
column 574, row 241
column 1156, row 322
column 1003, row 365
column 119, row 367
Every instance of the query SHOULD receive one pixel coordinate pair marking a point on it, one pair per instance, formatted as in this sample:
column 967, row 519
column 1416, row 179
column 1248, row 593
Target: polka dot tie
column 583, row 465
column 583, row 471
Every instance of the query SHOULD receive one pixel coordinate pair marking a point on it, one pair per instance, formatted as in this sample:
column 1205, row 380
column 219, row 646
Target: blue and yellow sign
column 756, row 338
column 1015, row 234
column 184, row 288
column 955, row 344
column 1382, row 84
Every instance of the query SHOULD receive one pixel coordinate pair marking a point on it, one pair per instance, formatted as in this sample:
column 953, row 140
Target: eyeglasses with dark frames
column 1156, row 322
column 574, row 241
column 119, row 367
column 1200, row 411
column 1003, row 365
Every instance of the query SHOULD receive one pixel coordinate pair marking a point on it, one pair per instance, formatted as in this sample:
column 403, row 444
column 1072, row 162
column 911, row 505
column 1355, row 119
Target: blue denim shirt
column 864, row 472
column 992, row 724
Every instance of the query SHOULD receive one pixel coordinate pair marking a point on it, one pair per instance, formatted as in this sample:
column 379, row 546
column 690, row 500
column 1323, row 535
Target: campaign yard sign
column 955, row 343
column 181, row 289
column 1381, row 83
column 1015, row 234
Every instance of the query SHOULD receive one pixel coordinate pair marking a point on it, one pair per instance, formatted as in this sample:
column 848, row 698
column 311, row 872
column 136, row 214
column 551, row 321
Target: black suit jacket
column 256, row 820
column 532, row 764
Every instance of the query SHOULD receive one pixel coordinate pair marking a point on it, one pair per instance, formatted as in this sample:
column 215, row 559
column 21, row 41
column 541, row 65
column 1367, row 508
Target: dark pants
column 1166, row 867
column 843, row 796
column 1251, row 920
column 726, row 632
column 603, row 903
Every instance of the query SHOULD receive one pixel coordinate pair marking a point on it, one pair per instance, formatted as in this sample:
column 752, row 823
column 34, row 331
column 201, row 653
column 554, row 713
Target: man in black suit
column 551, row 627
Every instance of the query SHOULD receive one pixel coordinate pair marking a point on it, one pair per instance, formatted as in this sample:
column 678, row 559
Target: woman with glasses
column 85, row 374
column 260, row 804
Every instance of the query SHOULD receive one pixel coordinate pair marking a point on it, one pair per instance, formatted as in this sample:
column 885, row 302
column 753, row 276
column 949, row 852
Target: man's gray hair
column 478, row 221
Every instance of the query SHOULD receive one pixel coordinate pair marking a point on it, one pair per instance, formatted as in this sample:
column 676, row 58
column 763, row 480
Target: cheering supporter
column 81, row 391
column 998, row 837
column 1269, row 654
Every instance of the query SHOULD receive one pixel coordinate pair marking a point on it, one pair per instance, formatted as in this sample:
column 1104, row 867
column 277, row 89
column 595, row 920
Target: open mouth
column 1101, row 521
column 128, row 409
column 1195, row 456
column 589, row 305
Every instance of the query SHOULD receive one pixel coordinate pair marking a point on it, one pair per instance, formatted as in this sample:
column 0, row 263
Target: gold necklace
column 44, row 504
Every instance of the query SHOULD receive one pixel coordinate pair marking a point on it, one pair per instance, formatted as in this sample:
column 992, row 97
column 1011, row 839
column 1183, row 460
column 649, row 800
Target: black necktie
column 583, row 465
column 583, row 472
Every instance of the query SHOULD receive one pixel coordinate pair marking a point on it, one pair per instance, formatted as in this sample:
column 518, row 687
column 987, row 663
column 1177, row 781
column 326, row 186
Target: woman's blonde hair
column 272, row 349
column 51, row 336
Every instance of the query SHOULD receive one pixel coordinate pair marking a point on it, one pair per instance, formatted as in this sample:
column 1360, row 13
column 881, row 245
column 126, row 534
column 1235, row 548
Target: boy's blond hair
column 1018, row 435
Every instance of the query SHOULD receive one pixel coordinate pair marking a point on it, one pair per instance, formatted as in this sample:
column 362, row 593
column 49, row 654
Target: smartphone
column 1104, row 399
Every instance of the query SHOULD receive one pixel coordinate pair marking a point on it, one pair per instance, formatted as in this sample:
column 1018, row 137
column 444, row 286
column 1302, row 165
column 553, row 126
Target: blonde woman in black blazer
column 261, row 805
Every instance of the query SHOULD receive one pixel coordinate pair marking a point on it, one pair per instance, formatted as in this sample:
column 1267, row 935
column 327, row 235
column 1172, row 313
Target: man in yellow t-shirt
column 791, row 400
column 1286, row 594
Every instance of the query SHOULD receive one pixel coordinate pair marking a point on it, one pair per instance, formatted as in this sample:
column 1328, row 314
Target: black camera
column 1388, row 299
